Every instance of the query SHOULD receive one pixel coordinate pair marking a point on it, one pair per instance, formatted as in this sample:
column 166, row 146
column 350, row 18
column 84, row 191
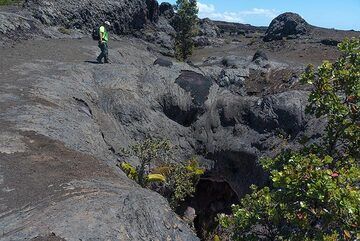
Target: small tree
column 315, row 192
column 186, row 27
column 151, row 153
column 180, row 180
column 159, row 172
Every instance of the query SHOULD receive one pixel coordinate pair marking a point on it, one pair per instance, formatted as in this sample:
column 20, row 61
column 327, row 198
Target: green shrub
column 181, row 180
column 315, row 192
column 158, row 172
column 151, row 153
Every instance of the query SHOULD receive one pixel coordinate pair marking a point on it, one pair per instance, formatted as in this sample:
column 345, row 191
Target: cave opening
column 211, row 198
column 182, row 117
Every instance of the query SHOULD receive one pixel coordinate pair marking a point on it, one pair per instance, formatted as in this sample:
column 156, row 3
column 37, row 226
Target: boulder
column 160, row 38
column 15, row 26
column 285, row 25
column 152, row 10
column 166, row 10
column 163, row 62
column 259, row 56
column 163, row 25
column 208, row 28
column 234, row 79
column 330, row 42
column 196, row 84
column 201, row 41
column 283, row 111
column 234, row 62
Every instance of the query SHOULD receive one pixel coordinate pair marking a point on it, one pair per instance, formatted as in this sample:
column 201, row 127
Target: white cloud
column 209, row 11
column 205, row 8
column 270, row 13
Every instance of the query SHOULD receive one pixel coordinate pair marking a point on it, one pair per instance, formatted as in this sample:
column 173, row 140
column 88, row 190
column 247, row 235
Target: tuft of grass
column 10, row 2
column 64, row 30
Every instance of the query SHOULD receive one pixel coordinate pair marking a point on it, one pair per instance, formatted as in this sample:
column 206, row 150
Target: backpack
column 96, row 33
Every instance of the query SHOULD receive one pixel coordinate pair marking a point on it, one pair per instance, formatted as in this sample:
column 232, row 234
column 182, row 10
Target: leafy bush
column 175, row 181
column 150, row 152
column 181, row 180
column 315, row 192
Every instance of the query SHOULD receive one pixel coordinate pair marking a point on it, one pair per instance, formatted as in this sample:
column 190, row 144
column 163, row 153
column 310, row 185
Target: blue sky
column 339, row 14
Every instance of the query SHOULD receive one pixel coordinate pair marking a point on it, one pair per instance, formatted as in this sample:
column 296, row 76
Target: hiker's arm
column 101, row 36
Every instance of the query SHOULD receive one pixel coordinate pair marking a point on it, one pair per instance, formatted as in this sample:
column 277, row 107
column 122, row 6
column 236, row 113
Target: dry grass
column 64, row 30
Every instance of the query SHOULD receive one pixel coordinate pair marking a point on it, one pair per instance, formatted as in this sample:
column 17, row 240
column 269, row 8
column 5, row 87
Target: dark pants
column 104, row 53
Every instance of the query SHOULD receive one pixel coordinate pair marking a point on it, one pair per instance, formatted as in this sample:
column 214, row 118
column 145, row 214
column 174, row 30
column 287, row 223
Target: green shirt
column 105, row 34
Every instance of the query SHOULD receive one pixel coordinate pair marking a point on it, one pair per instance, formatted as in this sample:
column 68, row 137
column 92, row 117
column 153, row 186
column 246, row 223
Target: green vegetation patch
column 9, row 2
column 65, row 31
column 159, row 172
column 314, row 193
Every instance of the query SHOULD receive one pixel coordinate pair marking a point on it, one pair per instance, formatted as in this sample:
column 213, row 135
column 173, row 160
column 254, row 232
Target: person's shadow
column 91, row 62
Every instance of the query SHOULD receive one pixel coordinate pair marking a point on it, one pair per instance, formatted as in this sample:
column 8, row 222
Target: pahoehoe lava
column 64, row 120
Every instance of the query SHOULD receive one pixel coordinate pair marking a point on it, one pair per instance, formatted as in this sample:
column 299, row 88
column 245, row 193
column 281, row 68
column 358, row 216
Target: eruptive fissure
column 211, row 198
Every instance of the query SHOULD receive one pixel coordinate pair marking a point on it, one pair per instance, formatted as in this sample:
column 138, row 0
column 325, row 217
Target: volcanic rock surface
column 285, row 25
column 64, row 118
column 126, row 15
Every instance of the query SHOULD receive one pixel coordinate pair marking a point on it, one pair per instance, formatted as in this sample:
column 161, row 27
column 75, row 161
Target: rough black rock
column 163, row 62
column 167, row 10
column 283, row 111
column 330, row 42
column 201, row 41
column 58, row 156
column 152, row 10
column 66, row 120
column 259, row 56
column 208, row 28
column 233, row 79
column 126, row 15
column 14, row 26
column 196, row 84
column 286, row 24
column 238, row 28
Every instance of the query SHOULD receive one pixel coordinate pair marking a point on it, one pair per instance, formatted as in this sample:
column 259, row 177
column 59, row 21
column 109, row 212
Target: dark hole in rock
column 225, row 120
column 184, row 115
column 240, row 168
column 211, row 198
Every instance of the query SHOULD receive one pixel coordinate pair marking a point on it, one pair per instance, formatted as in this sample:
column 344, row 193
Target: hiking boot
column 99, row 61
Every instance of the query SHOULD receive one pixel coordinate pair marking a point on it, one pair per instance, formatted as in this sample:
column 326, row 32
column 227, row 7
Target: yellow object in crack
column 156, row 178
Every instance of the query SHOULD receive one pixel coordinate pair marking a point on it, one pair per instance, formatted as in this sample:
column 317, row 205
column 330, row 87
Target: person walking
column 103, row 43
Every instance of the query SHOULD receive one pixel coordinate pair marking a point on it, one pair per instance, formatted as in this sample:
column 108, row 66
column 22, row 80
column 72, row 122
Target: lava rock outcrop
column 285, row 25
column 125, row 15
